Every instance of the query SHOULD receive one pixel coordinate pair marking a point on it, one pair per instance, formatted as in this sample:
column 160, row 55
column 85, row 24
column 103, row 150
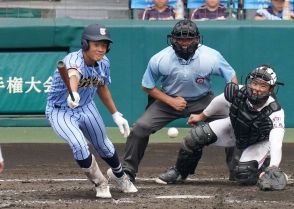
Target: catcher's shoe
column 171, row 176
column 102, row 190
column 124, row 183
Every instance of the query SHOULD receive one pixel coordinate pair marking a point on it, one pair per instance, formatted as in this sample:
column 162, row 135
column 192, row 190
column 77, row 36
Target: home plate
column 185, row 197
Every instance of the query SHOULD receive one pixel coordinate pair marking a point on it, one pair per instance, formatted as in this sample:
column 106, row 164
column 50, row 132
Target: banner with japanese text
column 25, row 79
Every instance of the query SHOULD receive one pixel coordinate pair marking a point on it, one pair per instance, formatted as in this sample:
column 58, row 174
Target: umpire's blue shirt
column 189, row 79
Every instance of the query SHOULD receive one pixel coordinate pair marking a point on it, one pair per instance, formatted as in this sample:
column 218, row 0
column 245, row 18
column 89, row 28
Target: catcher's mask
column 264, row 77
column 95, row 32
column 184, row 30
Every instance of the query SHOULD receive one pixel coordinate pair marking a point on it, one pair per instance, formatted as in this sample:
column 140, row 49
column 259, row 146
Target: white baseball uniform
column 259, row 151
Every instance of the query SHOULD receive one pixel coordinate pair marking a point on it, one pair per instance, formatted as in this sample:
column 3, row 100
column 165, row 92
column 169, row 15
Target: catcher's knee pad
column 198, row 137
column 246, row 173
column 187, row 161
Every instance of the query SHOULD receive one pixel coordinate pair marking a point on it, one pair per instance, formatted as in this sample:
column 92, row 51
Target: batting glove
column 122, row 123
column 73, row 104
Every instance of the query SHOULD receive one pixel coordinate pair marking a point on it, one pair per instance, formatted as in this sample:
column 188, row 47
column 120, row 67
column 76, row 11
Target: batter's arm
column 105, row 96
column 178, row 103
column 107, row 100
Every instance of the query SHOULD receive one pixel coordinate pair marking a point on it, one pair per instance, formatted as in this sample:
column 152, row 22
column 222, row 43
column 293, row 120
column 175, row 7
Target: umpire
column 184, row 69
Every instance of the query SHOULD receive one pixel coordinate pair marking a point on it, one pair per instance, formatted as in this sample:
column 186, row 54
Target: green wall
column 245, row 44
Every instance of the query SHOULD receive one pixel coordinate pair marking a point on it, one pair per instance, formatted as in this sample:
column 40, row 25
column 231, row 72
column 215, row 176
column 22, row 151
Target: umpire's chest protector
column 250, row 126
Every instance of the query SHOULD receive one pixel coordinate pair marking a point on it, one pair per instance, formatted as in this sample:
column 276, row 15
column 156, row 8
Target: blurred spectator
column 160, row 11
column 275, row 11
column 211, row 10
column 1, row 162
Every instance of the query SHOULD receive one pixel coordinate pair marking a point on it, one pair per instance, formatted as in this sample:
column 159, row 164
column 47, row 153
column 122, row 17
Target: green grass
column 46, row 135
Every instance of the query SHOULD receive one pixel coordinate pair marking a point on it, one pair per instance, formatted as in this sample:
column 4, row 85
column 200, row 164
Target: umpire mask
column 184, row 38
column 263, row 76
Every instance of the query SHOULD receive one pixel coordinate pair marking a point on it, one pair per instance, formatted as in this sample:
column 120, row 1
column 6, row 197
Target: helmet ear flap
column 85, row 45
column 108, row 48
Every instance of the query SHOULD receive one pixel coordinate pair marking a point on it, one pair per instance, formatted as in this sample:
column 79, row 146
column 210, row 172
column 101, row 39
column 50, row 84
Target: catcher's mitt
column 272, row 179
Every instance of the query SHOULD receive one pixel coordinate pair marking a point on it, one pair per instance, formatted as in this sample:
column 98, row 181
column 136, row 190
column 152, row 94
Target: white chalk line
column 184, row 197
column 84, row 179
column 290, row 180
column 7, row 203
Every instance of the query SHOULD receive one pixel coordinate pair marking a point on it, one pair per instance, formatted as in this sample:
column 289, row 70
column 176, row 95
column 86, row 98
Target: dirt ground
column 46, row 176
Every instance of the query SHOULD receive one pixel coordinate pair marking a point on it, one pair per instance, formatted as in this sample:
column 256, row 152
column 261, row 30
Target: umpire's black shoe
column 171, row 176
column 130, row 175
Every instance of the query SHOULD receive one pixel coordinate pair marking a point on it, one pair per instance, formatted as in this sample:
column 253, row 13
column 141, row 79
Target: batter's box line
column 290, row 180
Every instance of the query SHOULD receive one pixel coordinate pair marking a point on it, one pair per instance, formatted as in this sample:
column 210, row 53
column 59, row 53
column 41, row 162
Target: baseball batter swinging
column 79, row 122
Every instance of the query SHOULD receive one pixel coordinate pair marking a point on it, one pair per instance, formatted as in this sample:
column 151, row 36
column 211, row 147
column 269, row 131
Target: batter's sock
column 115, row 165
column 86, row 163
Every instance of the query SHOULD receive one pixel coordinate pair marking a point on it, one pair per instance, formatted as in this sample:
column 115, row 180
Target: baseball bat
column 64, row 75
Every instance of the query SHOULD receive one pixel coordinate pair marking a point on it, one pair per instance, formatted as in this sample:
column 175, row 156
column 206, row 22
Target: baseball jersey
column 189, row 79
column 269, row 14
column 90, row 78
column 203, row 13
column 151, row 13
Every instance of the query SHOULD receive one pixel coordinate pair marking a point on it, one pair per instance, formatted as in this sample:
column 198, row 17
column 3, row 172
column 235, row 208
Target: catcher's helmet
column 95, row 32
column 265, row 73
column 184, row 29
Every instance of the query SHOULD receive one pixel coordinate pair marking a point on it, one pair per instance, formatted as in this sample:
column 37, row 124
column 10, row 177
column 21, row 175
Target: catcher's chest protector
column 250, row 126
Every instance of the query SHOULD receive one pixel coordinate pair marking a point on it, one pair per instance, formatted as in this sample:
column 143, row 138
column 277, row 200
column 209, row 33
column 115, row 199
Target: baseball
column 172, row 132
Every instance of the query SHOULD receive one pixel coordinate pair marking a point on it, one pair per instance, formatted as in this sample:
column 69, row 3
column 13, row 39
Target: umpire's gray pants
column 154, row 118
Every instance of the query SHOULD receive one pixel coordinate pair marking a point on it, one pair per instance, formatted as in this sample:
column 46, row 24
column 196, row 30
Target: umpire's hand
column 178, row 103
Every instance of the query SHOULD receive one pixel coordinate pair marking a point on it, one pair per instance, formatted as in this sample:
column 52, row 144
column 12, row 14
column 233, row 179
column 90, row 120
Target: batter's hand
column 122, row 123
column 195, row 118
column 178, row 103
column 73, row 104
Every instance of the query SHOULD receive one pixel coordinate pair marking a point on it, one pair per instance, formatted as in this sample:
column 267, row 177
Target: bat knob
column 60, row 64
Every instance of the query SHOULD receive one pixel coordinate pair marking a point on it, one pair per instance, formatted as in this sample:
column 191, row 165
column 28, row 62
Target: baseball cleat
column 124, row 183
column 171, row 176
column 102, row 190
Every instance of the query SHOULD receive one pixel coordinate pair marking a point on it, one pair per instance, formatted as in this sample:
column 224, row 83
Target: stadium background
column 30, row 48
column 39, row 170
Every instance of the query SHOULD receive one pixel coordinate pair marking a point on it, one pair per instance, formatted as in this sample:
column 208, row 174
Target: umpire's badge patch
column 103, row 31
column 199, row 80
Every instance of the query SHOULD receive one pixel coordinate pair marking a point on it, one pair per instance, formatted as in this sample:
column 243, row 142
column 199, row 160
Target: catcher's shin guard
column 246, row 173
column 187, row 161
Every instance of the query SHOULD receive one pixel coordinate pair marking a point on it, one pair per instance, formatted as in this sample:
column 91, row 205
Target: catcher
column 255, row 125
